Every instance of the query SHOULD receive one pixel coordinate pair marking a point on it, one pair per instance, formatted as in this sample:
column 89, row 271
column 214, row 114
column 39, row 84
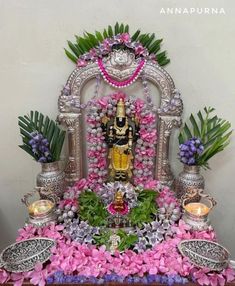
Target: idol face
column 120, row 121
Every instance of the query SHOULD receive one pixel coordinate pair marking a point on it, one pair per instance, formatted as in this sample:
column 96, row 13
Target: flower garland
column 120, row 84
column 97, row 148
column 107, row 45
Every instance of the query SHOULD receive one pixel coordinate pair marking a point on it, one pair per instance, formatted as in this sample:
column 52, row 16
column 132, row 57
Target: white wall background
column 33, row 69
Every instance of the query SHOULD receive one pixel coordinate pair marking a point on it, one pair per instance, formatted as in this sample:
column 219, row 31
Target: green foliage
column 47, row 127
column 146, row 209
column 89, row 41
column 126, row 240
column 214, row 133
column 103, row 238
column 92, row 209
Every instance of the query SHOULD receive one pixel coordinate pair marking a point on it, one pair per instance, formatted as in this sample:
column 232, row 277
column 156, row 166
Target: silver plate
column 205, row 253
column 22, row 256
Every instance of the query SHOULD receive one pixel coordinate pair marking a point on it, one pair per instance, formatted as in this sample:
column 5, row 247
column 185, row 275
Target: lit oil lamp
column 196, row 213
column 41, row 211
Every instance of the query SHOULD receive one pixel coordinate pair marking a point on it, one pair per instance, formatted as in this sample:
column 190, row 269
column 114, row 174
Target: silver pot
column 189, row 178
column 52, row 178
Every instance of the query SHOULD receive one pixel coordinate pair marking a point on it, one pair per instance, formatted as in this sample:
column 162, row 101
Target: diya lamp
column 41, row 210
column 196, row 213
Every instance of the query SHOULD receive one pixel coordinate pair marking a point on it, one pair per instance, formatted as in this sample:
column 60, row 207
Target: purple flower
column 190, row 151
column 40, row 147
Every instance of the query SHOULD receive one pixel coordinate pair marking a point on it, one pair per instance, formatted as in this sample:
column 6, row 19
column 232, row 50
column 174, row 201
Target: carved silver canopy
column 120, row 65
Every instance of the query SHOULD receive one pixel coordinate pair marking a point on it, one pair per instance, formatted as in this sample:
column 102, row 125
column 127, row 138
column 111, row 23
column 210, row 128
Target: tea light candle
column 197, row 209
column 40, row 208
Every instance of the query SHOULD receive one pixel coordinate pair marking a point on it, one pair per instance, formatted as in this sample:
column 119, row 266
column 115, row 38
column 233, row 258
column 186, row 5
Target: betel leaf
column 146, row 209
column 92, row 209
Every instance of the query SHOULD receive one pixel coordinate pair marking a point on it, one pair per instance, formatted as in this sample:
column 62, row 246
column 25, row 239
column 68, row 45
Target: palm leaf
column 99, row 36
column 135, row 36
column 110, row 31
column 116, row 28
column 121, row 28
column 126, row 29
column 70, row 56
column 196, row 130
column 28, row 150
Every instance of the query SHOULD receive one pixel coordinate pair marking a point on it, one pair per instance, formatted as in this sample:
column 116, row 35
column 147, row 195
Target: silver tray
column 205, row 253
column 22, row 256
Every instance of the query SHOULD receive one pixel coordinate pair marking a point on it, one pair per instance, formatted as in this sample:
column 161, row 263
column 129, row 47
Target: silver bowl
column 205, row 253
column 22, row 256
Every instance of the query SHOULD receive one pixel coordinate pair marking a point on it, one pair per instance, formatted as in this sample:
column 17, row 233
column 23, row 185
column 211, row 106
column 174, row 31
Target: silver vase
column 52, row 178
column 189, row 178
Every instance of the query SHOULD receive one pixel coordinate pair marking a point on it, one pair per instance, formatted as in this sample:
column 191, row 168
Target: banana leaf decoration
column 88, row 41
column 47, row 127
column 214, row 133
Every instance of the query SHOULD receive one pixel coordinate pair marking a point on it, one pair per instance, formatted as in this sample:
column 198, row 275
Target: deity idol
column 121, row 132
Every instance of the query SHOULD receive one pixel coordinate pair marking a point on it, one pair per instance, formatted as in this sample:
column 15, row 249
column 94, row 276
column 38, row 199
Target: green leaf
column 126, row 29
column 164, row 62
column 99, row 36
column 70, row 56
column 50, row 131
column 28, row 150
column 121, row 28
column 196, row 130
column 105, row 34
column 40, row 123
column 110, row 31
column 135, row 36
column 116, row 28
column 187, row 131
column 24, row 133
column 74, row 49
column 45, row 128
column 181, row 138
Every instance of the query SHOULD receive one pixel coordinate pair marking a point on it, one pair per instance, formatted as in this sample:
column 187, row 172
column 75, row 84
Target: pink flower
column 26, row 232
column 103, row 101
column 151, row 184
column 125, row 38
column 81, row 184
column 229, row 273
column 148, row 119
column 119, row 95
column 39, row 275
column 139, row 103
column 4, row 276
column 81, row 63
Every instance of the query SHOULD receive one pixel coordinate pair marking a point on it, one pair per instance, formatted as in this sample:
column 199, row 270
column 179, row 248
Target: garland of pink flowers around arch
column 144, row 147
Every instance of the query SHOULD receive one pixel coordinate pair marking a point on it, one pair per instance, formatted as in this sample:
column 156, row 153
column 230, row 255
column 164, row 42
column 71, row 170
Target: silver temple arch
column 120, row 65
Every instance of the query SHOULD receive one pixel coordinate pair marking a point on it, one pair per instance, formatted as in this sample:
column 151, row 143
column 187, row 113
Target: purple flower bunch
column 190, row 151
column 40, row 147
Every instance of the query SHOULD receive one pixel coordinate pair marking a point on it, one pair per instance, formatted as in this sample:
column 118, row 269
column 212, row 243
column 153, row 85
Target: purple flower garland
column 60, row 277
